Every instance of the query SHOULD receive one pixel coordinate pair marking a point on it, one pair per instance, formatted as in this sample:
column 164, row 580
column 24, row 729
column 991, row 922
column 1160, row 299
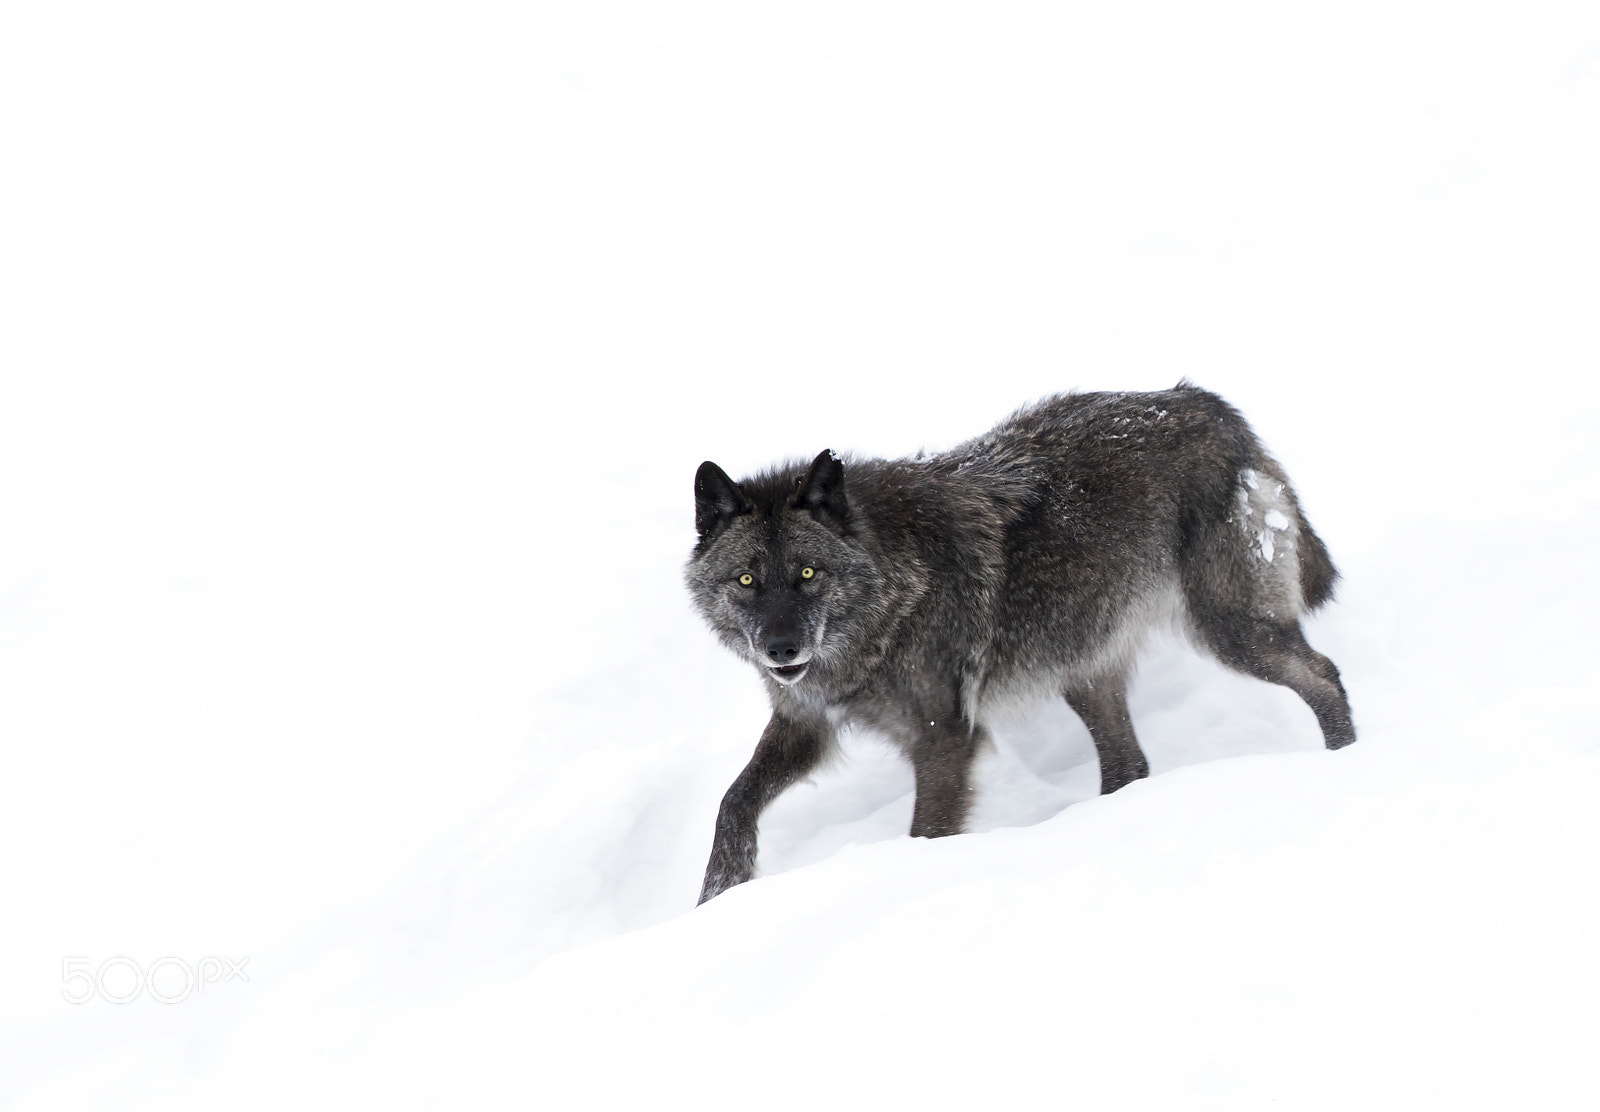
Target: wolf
column 911, row 596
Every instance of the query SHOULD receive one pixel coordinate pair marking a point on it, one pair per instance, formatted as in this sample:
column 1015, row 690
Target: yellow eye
column 807, row 573
column 746, row 579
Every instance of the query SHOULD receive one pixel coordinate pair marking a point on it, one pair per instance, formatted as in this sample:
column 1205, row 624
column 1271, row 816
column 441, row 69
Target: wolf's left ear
column 716, row 499
column 822, row 491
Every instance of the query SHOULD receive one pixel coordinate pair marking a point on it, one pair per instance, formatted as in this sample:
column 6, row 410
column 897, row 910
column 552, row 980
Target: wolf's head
column 780, row 565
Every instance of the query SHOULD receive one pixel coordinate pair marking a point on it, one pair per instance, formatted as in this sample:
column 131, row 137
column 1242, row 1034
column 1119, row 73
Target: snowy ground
column 355, row 360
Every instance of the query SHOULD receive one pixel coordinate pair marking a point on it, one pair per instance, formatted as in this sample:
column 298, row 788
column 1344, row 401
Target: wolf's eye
column 807, row 573
column 746, row 579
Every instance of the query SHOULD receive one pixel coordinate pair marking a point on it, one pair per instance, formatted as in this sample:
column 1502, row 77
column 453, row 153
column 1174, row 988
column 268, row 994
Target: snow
column 1264, row 541
column 356, row 361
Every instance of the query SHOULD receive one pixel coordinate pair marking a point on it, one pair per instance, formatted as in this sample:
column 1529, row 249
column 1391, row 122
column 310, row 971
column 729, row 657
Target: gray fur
column 1034, row 559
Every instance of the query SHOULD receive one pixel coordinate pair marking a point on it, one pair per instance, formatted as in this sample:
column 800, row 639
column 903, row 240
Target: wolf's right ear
column 822, row 491
column 716, row 499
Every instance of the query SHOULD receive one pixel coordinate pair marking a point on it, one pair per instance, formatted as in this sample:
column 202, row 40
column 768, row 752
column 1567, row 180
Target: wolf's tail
column 1317, row 573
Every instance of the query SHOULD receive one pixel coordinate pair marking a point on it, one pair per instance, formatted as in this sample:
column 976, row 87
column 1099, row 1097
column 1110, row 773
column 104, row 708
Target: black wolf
column 910, row 595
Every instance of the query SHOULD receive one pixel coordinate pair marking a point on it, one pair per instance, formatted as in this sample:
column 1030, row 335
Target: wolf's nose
column 782, row 650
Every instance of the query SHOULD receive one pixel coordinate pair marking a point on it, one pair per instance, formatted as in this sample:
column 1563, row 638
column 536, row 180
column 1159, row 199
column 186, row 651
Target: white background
column 355, row 360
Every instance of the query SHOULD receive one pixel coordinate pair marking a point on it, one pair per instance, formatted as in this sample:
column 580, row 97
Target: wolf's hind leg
column 1279, row 654
column 788, row 750
column 1103, row 706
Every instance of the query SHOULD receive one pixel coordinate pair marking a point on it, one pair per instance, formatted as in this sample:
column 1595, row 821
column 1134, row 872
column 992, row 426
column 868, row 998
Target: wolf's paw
column 717, row 883
column 726, row 870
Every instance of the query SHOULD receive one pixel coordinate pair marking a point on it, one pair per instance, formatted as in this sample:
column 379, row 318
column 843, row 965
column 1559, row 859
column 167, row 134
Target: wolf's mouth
column 789, row 673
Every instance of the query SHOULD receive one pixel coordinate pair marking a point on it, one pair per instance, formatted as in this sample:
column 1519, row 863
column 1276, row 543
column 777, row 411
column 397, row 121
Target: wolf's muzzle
column 782, row 650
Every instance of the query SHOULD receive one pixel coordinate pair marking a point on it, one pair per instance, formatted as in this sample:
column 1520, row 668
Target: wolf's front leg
column 942, row 757
column 789, row 749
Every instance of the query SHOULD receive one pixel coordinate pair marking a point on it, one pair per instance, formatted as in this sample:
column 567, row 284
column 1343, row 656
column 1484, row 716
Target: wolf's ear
column 822, row 491
column 716, row 498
